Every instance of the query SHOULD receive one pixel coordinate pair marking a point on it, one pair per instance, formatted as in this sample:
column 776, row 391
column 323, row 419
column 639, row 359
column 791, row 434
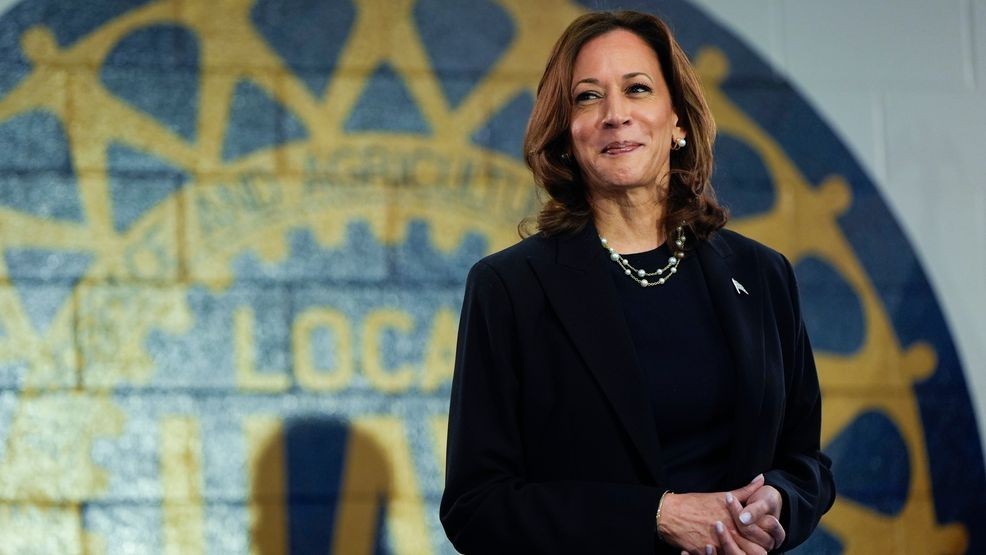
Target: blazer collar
column 582, row 293
column 740, row 311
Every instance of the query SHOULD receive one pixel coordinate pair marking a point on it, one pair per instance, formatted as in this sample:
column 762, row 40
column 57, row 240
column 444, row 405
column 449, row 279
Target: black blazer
column 551, row 446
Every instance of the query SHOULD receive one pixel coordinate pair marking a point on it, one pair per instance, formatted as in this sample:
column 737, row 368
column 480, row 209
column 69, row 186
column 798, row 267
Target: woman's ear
column 679, row 131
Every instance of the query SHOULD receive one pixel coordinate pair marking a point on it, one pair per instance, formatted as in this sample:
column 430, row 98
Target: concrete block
column 955, row 125
column 127, row 527
column 374, row 340
column 35, row 139
column 218, row 338
column 169, row 96
column 114, row 328
column 37, row 342
column 978, row 26
column 145, row 213
column 36, row 528
column 753, row 21
column 59, row 469
column 309, row 38
column 856, row 116
column 121, row 527
column 910, row 43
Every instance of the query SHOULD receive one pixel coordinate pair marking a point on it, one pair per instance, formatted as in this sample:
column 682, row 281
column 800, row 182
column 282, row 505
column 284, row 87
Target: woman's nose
column 616, row 112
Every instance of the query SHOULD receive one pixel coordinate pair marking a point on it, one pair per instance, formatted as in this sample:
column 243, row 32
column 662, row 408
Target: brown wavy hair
column 547, row 142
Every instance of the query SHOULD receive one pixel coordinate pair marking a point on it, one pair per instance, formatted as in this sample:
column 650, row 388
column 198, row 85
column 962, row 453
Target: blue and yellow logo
column 234, row 236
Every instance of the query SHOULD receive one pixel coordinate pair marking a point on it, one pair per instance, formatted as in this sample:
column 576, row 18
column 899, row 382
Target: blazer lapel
column 740, row 311
column 582, row 294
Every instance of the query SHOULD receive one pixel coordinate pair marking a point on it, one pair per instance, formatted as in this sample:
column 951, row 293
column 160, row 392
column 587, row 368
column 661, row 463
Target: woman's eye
column 586, row 96
column 638, row 88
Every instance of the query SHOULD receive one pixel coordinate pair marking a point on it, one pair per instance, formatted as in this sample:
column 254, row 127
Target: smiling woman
column 588, row 388
column 623, row 124
column 559, row 119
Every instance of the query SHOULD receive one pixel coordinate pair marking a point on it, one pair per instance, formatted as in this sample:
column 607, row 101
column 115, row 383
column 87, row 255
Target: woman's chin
column 617, row 184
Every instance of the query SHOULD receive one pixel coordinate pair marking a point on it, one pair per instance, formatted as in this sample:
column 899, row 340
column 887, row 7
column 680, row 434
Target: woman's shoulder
column 776, row 271
column 773, row 267
column 510, row 268
column 741, row 245
column 515, row 257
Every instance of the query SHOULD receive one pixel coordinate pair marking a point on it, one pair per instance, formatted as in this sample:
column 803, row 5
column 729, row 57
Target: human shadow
column 319, row 486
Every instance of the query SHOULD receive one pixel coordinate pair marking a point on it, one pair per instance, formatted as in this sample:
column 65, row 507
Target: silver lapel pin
column 739, row 287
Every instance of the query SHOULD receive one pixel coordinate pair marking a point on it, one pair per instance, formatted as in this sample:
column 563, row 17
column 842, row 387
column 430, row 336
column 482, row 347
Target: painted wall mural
column 234, row 239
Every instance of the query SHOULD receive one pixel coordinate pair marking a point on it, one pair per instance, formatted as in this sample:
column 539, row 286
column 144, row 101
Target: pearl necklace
column 640, row 275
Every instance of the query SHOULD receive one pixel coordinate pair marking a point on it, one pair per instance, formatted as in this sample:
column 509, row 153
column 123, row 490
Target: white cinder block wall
column 903, row 82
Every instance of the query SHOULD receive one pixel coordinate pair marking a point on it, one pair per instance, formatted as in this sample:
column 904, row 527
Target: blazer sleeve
column 488, row 506
column 801, row 472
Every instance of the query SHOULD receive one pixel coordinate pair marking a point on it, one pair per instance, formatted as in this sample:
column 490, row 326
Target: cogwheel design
column 201, row 146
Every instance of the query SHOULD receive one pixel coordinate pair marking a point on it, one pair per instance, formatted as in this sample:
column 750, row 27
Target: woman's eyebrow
column 637, row 74
column 590, row 80
column 594, row 81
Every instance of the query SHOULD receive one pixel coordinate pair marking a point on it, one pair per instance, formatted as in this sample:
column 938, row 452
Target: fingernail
column 757, row 478
column 745, row 518
column 708, row 549
column 729, row 498
column 719, row 527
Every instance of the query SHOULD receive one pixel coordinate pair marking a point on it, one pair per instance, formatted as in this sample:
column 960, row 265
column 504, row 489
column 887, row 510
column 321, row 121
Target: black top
column 687, row 369
column 552, row 447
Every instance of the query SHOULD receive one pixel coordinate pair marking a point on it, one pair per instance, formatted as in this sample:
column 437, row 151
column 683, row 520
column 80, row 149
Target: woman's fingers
column 751, row 530
column 769, row 498
column 731, row 543
column 773, row 527
column 753, row 512
column 726, row 544
column 746, row 546
column 744, row 493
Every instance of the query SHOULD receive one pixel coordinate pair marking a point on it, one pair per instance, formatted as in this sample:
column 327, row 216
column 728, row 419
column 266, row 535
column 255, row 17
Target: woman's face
column 622, row 118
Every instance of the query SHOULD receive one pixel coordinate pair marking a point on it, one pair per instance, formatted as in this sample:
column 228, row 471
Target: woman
column 632, row 378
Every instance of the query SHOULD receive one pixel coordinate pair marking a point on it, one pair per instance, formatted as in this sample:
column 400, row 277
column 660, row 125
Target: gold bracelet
column 657, row 518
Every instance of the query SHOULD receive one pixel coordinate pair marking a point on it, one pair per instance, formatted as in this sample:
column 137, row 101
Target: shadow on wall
column 319, row 486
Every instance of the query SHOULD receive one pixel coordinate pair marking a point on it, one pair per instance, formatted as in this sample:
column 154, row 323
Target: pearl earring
column 678, row 144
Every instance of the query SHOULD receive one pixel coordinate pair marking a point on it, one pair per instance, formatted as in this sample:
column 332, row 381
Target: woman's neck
column 630, row 222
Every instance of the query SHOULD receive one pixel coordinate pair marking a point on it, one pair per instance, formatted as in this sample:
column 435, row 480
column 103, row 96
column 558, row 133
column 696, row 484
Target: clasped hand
column 739, row 522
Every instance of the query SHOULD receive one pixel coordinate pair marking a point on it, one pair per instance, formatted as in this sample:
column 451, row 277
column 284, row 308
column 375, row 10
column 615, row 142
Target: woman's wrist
column 657, row 517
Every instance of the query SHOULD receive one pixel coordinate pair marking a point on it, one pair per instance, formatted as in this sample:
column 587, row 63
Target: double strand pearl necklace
column 640, row 275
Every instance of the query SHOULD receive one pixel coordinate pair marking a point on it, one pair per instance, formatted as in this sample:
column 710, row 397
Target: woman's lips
column 622, row 147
